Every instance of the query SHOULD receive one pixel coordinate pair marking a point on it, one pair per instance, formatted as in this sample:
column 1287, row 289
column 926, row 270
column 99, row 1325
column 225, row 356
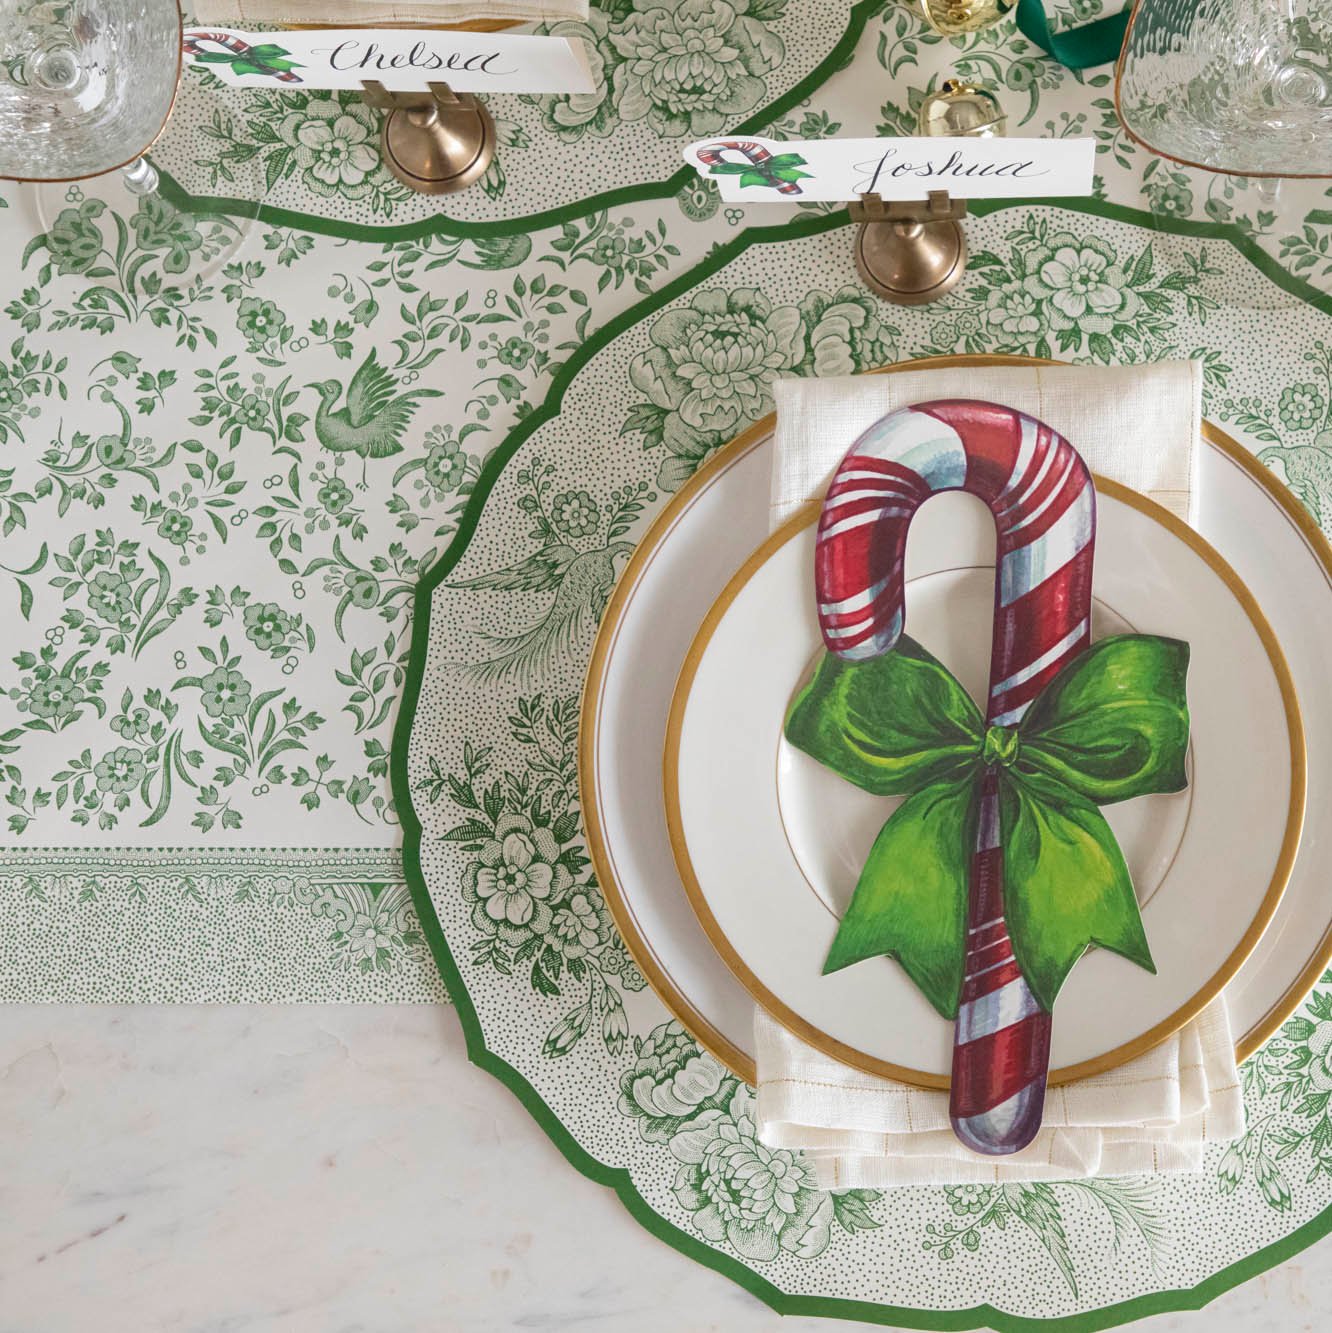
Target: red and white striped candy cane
column 1044, row 505
column 757, row 154
column 192, row 44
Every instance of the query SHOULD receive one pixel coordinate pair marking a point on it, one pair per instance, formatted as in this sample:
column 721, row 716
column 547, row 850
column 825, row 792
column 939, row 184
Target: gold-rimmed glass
column 1242, row 87
column 85, row 86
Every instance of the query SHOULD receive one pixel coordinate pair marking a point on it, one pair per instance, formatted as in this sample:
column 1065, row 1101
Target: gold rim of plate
column 682, row 1007
column 1111, row 1059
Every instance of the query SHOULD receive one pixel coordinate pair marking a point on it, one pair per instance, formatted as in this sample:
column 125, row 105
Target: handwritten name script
column 371, row 55
column 940, row 168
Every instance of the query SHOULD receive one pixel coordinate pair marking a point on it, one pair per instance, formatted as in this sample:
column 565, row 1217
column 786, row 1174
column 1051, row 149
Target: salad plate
column 769, row 843
column 679, row 569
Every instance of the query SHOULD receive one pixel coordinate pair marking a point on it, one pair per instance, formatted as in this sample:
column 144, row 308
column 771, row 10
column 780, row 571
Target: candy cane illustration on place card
column 998, row 871
column 240, row 56
column 757, row 166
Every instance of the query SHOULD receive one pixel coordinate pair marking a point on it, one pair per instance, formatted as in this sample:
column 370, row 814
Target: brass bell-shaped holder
column 908, row 252
column 437, row 141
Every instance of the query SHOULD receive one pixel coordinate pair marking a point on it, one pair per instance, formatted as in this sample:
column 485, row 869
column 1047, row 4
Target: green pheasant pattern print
column 374, row 418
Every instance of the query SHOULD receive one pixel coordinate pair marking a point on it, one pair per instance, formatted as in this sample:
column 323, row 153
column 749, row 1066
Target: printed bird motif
column 582, row 586
column 374, row 418
column 1308, row 472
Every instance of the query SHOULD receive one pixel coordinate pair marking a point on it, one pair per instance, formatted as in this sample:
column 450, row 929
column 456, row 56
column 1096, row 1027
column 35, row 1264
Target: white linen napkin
column 1155, row 1114
column 1138, row 425
column 372, row 13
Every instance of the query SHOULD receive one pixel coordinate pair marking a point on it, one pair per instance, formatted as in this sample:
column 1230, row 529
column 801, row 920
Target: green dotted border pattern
column 442, row 225
column 619, row 1179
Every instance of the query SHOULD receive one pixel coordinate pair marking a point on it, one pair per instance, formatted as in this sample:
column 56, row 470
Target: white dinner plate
column 678, row 570
column 769, row 843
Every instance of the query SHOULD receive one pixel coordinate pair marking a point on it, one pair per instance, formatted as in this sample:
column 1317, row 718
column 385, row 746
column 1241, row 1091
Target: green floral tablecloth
column 225, row 472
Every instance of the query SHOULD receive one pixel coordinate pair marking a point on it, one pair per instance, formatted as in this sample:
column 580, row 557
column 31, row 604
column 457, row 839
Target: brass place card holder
column 437, row 141
column 908, row 252
column 913, row 253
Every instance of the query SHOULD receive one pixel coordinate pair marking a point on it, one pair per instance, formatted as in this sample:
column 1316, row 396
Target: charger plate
column 769, row 843
column 605, row 1070
column 682, row 565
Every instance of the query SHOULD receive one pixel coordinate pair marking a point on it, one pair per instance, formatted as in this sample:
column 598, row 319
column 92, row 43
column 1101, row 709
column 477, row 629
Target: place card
column 748, row 169
column 402, row 59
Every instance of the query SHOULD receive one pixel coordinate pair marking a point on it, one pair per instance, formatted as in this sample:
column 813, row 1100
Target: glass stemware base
column 201, row 243
column 85, row 85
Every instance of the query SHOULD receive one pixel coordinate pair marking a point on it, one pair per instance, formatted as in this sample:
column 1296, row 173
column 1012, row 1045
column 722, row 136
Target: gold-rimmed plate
column 677, row 571
column 769, row 844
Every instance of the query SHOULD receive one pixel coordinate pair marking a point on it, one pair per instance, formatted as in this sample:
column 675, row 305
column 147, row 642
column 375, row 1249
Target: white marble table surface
column 345, row 1170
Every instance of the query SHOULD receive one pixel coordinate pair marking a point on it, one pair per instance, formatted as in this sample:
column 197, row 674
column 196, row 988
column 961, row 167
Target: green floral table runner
column 222, row 475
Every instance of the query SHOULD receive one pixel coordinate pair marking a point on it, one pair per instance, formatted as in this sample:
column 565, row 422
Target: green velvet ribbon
column 1112, row 724
column 1095, row 43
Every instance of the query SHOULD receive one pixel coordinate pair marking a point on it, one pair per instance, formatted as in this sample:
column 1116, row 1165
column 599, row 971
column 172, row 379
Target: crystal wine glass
column 85, row 86
column 1236, row 86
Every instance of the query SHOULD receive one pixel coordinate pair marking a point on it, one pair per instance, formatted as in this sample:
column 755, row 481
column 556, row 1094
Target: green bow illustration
column 772, row 171
column 268, row 58
column 1113, row 724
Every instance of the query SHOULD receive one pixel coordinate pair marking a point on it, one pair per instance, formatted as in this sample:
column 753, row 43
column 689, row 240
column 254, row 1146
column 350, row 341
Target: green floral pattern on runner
column 278, row 925
column 245, row 500
column 211, row 549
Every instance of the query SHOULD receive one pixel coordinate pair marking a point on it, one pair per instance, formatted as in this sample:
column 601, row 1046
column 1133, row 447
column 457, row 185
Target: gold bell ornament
column 960, row 108
column 951, row 17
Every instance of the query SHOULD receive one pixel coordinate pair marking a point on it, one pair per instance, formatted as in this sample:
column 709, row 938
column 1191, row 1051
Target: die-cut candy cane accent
column 759, row 168
column 269, row 58
column 998, row 871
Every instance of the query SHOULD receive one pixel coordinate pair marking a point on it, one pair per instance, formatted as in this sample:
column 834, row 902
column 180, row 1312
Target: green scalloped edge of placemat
column 443, row 225
column 619, row 1178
